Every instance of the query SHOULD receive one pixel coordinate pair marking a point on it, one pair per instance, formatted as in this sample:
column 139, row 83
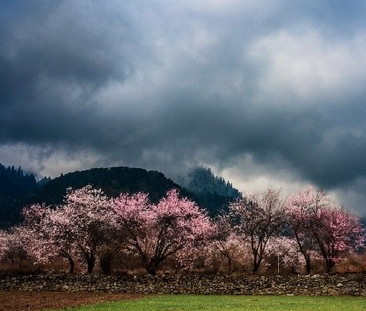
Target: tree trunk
column 257, row 259
column 329, row 264
column 151, row 269
column 91, row 263
column 69, row 259
column 71, row 264
column 307, row 264
column 230, row 264
column 153, row 266
column 106, row 262
column 256, row 266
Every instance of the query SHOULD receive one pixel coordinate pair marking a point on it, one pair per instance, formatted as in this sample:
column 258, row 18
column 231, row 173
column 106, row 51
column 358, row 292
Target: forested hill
column 203, row 180
column 112, row 181
column 16, row 188
column 116, row 180
column 19, row 189
column 212, row 192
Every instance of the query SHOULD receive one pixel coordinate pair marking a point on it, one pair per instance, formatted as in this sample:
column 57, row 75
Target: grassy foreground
column 232, row 303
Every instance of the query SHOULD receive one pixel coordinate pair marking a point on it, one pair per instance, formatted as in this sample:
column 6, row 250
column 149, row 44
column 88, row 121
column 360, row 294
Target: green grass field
column 232, row 303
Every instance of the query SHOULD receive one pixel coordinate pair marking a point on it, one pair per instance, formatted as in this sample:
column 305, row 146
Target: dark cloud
column 152, row 84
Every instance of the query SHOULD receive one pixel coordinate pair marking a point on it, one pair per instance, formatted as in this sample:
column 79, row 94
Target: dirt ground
column 36, row 301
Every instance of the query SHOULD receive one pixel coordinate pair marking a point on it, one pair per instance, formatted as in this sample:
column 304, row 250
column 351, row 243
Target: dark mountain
column 112, row 181
column 16, row 189
column 212, row 192
column 19, row 189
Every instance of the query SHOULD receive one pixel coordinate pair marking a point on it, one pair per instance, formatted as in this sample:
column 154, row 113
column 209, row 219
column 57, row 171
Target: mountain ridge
column 112, row 180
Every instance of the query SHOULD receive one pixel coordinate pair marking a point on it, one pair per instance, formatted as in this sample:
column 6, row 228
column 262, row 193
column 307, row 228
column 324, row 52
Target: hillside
column 115, row 180
column 112, row 181
column 19, row 189
column 203, row 180
column 16, row 188
column 212, row 192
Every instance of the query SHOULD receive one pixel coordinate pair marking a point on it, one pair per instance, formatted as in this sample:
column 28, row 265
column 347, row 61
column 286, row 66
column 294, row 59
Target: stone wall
column 350, row 284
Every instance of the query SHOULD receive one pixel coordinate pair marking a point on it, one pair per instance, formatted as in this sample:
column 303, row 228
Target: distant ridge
column 203, row 180
column 213, row 193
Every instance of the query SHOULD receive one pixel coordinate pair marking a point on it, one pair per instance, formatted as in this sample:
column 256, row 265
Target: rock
column 332, row 292
column 194, row 284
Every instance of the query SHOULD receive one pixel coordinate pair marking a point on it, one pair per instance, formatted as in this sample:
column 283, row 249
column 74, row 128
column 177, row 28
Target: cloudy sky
column 264, row 92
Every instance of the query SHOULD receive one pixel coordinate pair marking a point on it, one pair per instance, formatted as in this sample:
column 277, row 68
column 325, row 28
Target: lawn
column 232, row 303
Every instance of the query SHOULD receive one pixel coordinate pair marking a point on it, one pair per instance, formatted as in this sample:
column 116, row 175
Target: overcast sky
column 264, row 92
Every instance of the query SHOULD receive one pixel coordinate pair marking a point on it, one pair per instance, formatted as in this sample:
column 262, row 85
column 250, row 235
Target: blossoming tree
column 89, row 214
column 319, row 225
column 301, row 209
column 257, row 219
column 76, row 229
column 339, row 233
column 156, row 232
column 50, row 234
column 13, row 246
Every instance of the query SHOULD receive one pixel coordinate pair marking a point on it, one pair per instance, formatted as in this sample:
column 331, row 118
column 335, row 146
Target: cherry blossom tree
column 227, row 242
column 339, row 233
column 233, row 249
column 49, row 234
column 301, row 209
column 13, row 246
column 156, row 232
column 88, row 213
column 319, row 225
column 286, row 253
column 258, row 218
column 78, row 228
column 223, row 240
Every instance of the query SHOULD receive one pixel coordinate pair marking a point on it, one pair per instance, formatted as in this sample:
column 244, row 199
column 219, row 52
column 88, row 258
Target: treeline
column 92, row 230
column 201, row 180
column 213, row 193
column 16, row 187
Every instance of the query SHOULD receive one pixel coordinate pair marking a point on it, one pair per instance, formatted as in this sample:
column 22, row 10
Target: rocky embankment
column 349, row 284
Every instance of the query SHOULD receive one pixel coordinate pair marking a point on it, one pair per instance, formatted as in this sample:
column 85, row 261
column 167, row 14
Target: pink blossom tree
column 13, row 246
column 78, row 228
column 156, row 232
column 257, row 219
column 50, row 234
column 227, row 242
column 89, row 216
column 320, row 225
column 339, row 233
column 286, row 252
column 301, row 209
column 233, row 249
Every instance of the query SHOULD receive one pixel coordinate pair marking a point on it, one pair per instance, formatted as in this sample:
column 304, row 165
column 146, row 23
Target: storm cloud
column 261, row 91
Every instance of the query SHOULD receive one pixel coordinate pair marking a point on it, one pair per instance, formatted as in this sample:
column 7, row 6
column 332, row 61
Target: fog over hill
column 201, row 179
